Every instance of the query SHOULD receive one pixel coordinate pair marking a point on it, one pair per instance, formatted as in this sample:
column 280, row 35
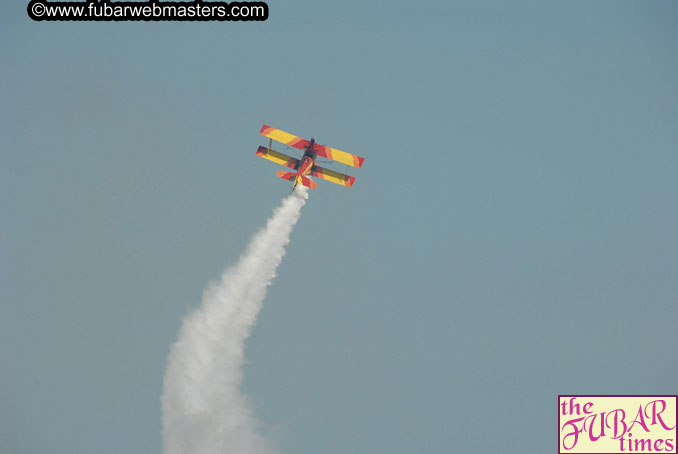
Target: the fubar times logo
column 590, row 424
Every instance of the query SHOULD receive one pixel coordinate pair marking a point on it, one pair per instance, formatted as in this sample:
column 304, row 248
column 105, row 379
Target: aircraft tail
column 292, row 176
column 308, row 183
column 289, row 176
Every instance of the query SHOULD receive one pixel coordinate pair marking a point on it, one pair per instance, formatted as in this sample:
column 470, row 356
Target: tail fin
column 291, row 176
column 309, row 183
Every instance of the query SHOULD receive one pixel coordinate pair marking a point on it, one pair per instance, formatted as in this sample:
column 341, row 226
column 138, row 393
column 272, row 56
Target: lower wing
column 334, row 177
column 278, row 158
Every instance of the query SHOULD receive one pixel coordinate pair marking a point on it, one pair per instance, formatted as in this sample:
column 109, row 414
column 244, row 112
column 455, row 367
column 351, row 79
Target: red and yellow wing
column 278, row 158
column 334, row 177
column 338, row 155
column 284, row 137
column 321, row 150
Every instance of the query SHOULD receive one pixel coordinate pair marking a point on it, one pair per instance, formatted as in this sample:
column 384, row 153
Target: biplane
column 306, row 166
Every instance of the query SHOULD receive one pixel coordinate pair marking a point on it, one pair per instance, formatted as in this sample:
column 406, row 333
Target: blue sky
column 511, row 237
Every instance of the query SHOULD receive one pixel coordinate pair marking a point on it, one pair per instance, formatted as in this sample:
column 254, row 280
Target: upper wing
column 321, row 150
column 284, row 137
column 338, row 155
column 279, row 158
column 334, row 177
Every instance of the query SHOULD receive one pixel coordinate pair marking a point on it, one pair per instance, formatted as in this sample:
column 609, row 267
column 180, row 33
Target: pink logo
column 617, row 424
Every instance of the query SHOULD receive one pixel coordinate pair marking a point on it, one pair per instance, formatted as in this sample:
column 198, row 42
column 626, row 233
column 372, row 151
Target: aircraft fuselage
column 306, row 164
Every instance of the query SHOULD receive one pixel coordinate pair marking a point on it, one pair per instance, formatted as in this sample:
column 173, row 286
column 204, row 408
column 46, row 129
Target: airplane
column 307, row 165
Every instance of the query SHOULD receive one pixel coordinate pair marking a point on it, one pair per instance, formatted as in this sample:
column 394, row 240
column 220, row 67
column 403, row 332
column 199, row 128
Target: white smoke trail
column 203, row 409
